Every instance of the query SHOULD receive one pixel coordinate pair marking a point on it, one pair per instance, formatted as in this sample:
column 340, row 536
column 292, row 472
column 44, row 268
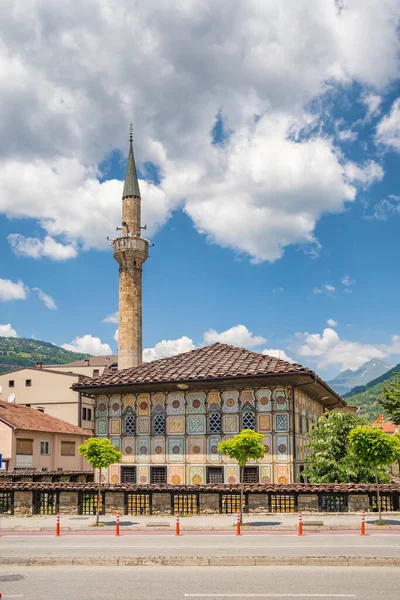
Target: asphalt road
column 191, row 583
column 154, row 544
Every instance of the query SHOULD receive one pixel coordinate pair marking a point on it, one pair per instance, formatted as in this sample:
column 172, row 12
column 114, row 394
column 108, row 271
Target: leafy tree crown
column 100, row 453
column 244, row 446
column 390, row 400
column 373, row 447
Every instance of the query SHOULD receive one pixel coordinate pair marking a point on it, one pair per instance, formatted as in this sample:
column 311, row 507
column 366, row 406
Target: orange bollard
column 177, row 531
column 117, row 524
column 238, row 524
column 58, row 525
column 363, row 523
column 300, row 523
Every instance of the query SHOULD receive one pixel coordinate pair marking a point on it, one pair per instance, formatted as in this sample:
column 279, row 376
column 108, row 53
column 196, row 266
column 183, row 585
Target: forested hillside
column 22, row 352
column 367, row 396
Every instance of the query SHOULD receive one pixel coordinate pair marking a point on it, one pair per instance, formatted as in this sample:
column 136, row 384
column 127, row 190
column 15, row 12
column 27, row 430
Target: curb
column 204, row 561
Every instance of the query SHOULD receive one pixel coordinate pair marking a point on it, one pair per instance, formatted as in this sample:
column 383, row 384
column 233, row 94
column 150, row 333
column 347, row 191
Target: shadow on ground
column 262, row 523
column 122, row 523
column 386, row 521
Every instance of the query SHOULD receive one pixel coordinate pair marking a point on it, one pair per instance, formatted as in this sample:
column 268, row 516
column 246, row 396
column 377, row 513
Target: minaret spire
column 131, row 185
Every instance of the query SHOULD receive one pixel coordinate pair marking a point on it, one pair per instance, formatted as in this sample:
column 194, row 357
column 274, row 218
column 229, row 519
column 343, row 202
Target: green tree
column 376, row 449
column 245, row 446
column 100, row 454
column 329, row 459
column 390, row 400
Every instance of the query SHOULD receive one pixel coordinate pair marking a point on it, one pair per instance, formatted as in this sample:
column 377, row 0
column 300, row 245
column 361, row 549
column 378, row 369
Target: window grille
column 282, row 503
column 230, row 503
column 185, row 504
column 88, row 503
column 128, row 474
column 333, row 502
column 46, row 503
column 249, row 420
column 158, row 475
column 250, row 475
column 159, row 425
column 389, row 503
column 214, row 423
column 130, row 425
column 282, row 422
column 215, row 475
column 7, row 502
column 137, row 504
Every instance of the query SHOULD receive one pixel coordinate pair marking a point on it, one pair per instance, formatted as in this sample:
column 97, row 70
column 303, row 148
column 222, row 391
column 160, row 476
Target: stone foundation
column 68, row 503
column 358, row 502
column 114, row 502
column 23, row 502
column 308, row 502
column 161, row 503
column 209, row 504
column 257, row 503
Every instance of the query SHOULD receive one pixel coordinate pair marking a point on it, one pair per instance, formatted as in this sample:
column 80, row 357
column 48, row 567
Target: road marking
column 198, row 546
column 270, row 596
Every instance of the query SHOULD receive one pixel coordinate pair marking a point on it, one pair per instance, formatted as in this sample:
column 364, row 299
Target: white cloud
column 47, row 300
column 116, row 335
column 7, row 331
column 111, row 318
column 278, row 290
column 388, row 130
column 262, row 190
column 364, row 175
column 238, row 335
column 12, row 291
column 35, row 248
column 372, row 102
column 327, row 287
column 331, row 322
column 89, row 345
column 384, row 208
column 348, row 281
column 278, row 354
column 168, row 348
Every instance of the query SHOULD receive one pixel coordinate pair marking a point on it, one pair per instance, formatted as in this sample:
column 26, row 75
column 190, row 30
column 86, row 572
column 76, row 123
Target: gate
column 88, row 503
column 45, row 503
column 7, row 503
column 282, row 503
column 137, row 504
column 230, row 503
column 185, row 504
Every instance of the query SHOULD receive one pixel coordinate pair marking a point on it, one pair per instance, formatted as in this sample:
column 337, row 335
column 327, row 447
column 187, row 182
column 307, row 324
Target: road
column 227, row 545
column 190, row 583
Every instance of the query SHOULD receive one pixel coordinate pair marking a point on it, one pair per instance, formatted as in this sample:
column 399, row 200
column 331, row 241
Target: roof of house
column 21, row 417
column 388, row 427
column 41, row 370
column 94, row 361
column 210, row 363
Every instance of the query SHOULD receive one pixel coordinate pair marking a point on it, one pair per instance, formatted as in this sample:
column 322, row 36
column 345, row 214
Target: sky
column 267, row 140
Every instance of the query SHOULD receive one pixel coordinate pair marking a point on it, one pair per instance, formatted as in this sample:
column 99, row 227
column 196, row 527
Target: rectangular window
column 159, row 475
column 185, row 504
column 45, row 448
column 282, row 503
column 7, row 502
column 24, row 446
column 128, row 475
column 67, row 448
column 88, row 503
column 230, row 503
column 46, row 503
column 333, row 502
column 84, row 415
column 250, row 475
column 89, row 414
column 96, row 372
column 11, row 383
column 28, row 382
column 215, row 475
column 137, row 504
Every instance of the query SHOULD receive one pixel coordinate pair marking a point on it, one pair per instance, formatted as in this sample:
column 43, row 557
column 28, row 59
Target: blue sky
column 275, row 229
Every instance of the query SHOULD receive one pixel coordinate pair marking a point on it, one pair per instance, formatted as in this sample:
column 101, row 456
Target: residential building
column 89, row 367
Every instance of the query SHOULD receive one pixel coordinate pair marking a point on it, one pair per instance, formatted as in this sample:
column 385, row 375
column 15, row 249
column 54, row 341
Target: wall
column 5, row 441
column 307, row 412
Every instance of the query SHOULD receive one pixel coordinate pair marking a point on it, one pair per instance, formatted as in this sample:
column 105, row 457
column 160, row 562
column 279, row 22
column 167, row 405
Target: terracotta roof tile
column 21, row 417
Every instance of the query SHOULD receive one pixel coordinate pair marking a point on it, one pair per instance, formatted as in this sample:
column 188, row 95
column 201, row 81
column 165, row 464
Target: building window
column 88, row 503
column 45, row 448
column 89, row 414
column 158, row 475
column 137, row 504
column 282, row 503
column 130, row 425
column 96, row 372
column 332, row 502
column 185, row 504
column 250, row 475
column 40, row 409
column 215, row 475
column 28, row 382
column 282, row 422
column 230, row 503
column 7, row 503
column 159, row 425
column 24, row 446
column 249, row 420
column 86, row 414
column 45, row 503
column 214, row 423
column 11, row 383
column 128, row 475
column 67, row 448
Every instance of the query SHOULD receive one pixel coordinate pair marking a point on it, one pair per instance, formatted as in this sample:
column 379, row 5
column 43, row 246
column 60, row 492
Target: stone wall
column 23, row 502
column 161, row 503
column 208, row 503
column 68, row 503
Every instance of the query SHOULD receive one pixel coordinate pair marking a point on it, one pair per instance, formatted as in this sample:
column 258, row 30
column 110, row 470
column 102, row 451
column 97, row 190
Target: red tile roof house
column 30, row 439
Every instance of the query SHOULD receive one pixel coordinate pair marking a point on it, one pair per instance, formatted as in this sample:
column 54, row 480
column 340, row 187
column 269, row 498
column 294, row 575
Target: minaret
column 130, row 251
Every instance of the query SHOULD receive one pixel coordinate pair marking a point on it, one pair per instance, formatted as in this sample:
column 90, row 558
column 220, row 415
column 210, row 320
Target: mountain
column 347, row 380
column 366, row 397
column 21, row 352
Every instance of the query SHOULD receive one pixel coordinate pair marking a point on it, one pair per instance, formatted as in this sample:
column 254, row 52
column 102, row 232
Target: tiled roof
column 21, row 417
column 218, row 361
column 388, row 427
column 94, row 361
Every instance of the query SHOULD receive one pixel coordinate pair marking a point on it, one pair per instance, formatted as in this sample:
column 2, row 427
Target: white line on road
column 199, row 546
column 270, row 596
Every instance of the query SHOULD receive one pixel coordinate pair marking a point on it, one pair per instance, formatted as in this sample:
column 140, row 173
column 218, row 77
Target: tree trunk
column 98, row 499
column 241, row 493
column 378, row 497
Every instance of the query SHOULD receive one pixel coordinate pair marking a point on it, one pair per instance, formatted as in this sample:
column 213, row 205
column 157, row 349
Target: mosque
column 168, row 416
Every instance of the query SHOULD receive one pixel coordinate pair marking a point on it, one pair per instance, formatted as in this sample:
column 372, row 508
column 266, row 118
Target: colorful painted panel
column 128, row 401
column 232, row 475
column 143, row 405
column 176, row 475
column 247, row 399
column 196, row 403
column 116, row 442
column 102, row 426
column 176, row 449
column 158, row 403
column 142, row 425
column 175, row 425
column 282, row 474
column 196, row 448
column 213, row 455
column 128, row 449
column 197, row 475
column 264, row 423
column 176, row 403
column 230, row 401
column 282, row 448
column 143, row 449
column 144, row 475
column 213, row 401
column 158, row 449
column 280, row 398
column 266, row 474
column 267, row 441
column 282, row 422
column 102, row 406
column 115, row 406
column 197, row 425
column 114, row 473
column 115, row 426
column 230, row 424
column 104, row 475
column 263, row 400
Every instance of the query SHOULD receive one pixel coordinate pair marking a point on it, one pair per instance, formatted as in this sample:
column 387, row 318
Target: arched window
column 248, row 420
column 130, row 425
column 159, row 425
column 214, row 423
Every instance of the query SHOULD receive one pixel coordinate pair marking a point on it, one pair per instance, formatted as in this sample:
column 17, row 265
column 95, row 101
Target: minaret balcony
column 127, row 246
